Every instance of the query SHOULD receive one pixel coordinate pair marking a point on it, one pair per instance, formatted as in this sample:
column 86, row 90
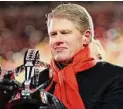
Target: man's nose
column 59, row 36
column 58, row 39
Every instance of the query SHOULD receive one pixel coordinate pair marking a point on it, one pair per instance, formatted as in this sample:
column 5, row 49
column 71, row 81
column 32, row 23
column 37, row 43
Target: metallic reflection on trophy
column 31, row 60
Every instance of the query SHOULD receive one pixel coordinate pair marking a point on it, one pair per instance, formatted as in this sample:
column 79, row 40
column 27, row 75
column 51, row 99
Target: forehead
column 59, row 23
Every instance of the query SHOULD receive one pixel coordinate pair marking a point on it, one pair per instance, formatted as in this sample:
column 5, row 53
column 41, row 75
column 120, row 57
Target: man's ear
column 86, row 38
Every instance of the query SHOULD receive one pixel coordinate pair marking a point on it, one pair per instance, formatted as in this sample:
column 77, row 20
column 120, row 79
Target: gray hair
column 75, row 13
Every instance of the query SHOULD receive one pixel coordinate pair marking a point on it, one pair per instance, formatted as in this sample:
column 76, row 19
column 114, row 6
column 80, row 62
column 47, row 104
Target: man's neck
column 61, row 65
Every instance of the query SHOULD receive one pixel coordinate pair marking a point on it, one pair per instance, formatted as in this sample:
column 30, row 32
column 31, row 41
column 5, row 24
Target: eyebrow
column 52, row 32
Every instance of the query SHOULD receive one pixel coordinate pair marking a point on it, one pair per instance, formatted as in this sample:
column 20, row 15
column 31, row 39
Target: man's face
column 65, row 39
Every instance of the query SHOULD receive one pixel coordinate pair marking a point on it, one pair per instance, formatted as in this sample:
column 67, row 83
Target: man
column 80, row 82
column 77, row 80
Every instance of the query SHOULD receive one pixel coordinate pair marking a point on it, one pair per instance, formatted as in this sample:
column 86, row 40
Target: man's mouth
column 60, row 48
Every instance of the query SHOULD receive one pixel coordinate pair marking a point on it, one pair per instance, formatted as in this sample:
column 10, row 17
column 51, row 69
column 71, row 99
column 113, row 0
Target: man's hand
column 9, row 87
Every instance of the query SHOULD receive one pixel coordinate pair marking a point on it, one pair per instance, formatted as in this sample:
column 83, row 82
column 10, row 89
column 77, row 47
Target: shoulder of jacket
column 110, row 67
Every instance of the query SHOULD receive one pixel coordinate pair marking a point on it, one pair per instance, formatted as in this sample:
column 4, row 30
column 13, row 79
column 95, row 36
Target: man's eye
column 65, row 32
column 53, row 34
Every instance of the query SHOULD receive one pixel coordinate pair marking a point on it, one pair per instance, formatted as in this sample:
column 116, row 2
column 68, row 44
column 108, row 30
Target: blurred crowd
column 23, row 26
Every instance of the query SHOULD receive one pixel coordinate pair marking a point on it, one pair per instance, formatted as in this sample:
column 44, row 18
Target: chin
column 59, row 59
column 62, row 59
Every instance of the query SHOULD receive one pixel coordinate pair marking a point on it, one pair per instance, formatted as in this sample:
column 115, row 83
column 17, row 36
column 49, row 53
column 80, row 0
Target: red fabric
column 66, row 89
